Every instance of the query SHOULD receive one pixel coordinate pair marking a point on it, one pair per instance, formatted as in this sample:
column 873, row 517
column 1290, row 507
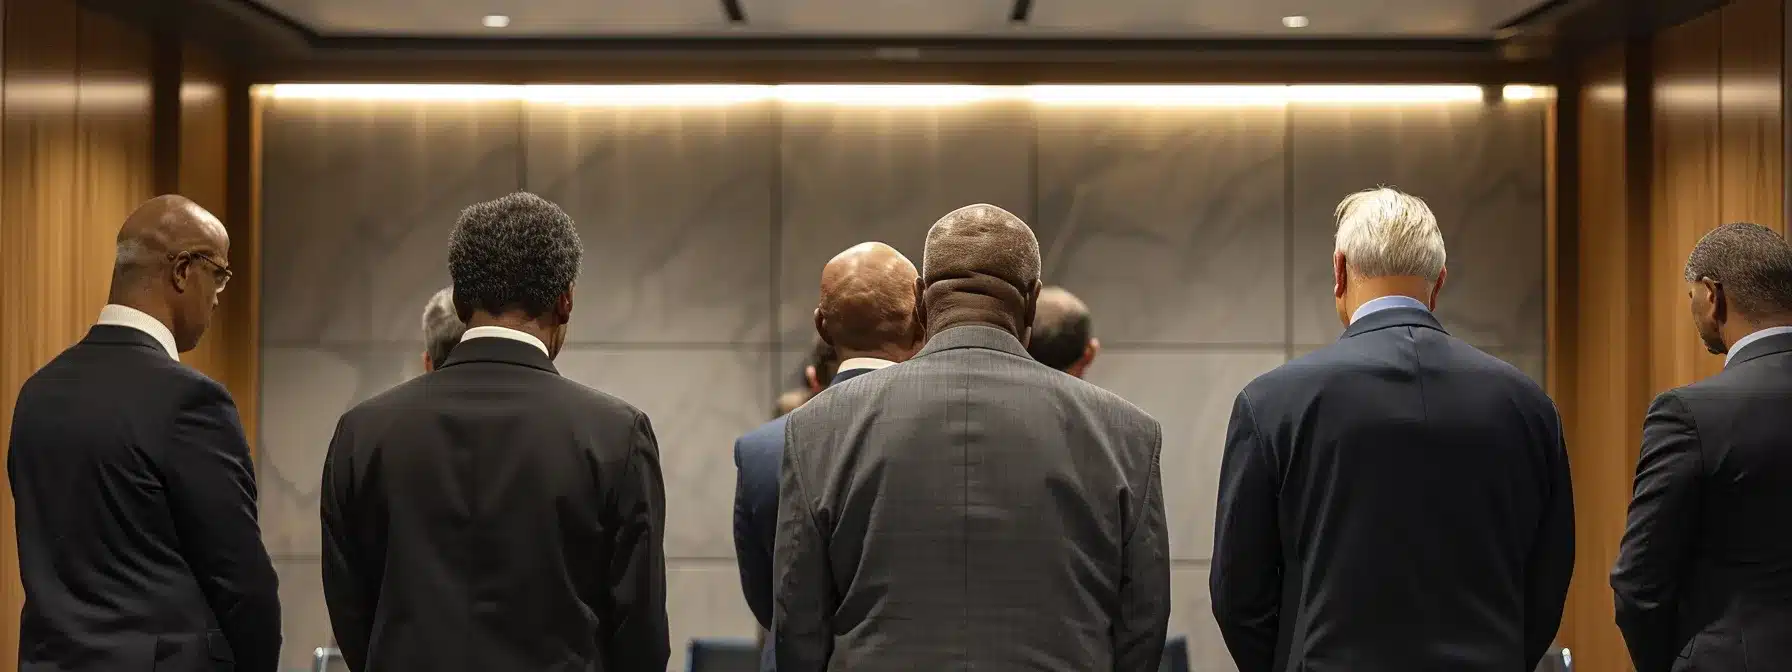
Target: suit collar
column 974, row 336
column 847, row 375
column 112, row 334
column 1393, row 317
column 1761, row 347
column 501, row 351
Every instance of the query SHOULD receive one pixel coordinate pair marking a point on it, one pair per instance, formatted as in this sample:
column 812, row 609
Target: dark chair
column 1175, row 655
column 722, row 654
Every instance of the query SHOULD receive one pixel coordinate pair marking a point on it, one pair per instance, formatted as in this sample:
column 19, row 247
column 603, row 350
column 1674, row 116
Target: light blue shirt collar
column 1384, row 303
column 1751, row 338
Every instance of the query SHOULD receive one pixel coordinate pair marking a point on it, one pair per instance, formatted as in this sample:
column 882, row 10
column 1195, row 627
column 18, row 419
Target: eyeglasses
column 221, row 275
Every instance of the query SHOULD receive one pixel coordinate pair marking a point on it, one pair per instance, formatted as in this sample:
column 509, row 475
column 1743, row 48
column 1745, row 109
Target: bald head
column 867, row 305
column 981, row 265
column 1063, row 332
column 172, row 259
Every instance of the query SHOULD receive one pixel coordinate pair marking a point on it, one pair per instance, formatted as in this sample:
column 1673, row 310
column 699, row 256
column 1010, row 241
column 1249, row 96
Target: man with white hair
column 1398, row 500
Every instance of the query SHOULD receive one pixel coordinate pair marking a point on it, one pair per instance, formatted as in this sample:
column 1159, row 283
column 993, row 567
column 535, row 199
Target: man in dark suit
column 492, row 515
column 971, row 508
column 1063, row 333
column 136, row 509
column 1398, row 500
column 865, row 318
column 1704, row 574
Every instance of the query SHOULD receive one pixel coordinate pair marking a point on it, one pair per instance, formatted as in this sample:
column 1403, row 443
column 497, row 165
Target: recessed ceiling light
column 495, row 21
column 1296, row 21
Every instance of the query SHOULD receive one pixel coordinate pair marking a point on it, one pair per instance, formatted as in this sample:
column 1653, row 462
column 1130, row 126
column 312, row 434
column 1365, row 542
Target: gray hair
column 1385, row 233
column 442, row 327
column 1752, row 262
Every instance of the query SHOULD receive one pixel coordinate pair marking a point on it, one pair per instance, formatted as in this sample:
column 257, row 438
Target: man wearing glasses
column 136, row 501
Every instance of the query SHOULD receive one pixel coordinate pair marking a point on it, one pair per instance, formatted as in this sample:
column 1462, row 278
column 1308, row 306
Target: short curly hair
column 516, row 253
column 1752, row 262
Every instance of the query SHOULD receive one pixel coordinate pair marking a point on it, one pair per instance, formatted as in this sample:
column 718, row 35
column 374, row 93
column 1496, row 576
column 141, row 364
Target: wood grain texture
column 1751, row 165
column 1686, row 171
column 1607, row 356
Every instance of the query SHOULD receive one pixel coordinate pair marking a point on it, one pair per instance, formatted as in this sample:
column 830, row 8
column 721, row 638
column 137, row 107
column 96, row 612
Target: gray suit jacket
column 970, row 509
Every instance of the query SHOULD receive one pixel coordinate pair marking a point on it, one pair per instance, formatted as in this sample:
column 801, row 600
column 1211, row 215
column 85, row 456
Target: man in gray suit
column 971, row 508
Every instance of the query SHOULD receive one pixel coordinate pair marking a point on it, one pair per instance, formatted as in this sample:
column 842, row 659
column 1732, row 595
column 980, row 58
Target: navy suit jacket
column 1396, row 501
column 758, row 457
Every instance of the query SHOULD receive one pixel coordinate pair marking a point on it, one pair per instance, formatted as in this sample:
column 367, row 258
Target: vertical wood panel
column 113, row 146
column 1686, row 169
column 38, row 194
column 1608, row 355
column 1751, row 185
column 200, row 176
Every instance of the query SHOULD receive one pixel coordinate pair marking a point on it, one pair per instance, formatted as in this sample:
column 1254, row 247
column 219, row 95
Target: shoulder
column 762, row 441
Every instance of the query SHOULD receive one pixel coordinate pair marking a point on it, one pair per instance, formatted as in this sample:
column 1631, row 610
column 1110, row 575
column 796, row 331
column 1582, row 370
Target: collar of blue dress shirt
column 1751, row 338
column 1384, row 303
column 505, row 332
column 114, row 315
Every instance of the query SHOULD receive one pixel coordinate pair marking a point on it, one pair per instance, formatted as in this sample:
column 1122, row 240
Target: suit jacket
column 493, row 515
column 1704, row 575
column 1396, row 501
column 136, row 515
column 970, row 509
column 758, row 456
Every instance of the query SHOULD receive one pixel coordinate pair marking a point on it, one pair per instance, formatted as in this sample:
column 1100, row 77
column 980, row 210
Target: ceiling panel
column 528, row 18
column 882, row 17
column 1263, row 18
column 916, row 18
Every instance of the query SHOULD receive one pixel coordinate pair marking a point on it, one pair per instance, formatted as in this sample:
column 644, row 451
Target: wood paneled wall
column 77, row 116
column 1676, row 134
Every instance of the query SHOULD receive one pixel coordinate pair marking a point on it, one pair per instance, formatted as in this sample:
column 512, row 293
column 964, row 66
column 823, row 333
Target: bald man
column 866, row 316
column 971, row 509
column 136, row 505
column 1063, row 333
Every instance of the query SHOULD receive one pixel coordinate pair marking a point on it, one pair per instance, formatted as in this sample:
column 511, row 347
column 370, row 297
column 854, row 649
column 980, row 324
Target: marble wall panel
column 1168, row 222
column 674, row 208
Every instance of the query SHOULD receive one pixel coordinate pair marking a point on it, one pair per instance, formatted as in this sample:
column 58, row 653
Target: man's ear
column 821, row 327
column 1089, row 352
column 179, row 272
column 563, row 307
column 1437, row 288
column 428, row 364
column 813, row 379
column 1340, row 276
column 1720, row 300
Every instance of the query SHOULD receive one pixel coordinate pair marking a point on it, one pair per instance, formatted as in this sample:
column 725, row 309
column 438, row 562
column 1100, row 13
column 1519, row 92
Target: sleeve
column 805, row 584
column 1145, row 583
column 635, row 634
column 1660, row 533
column 350, row 592
column 212, row 497
column 1551, row 563
column 1246, row 579
column 750, row 549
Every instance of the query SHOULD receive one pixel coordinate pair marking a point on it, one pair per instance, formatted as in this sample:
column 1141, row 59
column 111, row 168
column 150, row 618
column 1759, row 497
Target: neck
column 527, row 325
column 942, row 320
column 137, row 301
column 1364, row 290
column 848, row 353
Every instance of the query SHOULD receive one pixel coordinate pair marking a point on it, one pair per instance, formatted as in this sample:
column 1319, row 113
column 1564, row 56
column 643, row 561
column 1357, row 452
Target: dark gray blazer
column 970, row 509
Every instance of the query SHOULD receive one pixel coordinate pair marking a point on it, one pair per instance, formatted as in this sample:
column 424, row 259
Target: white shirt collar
column 872, row 363
column 114, row 315
column 1384, row 303
column 505, row 332
column 1751, row 338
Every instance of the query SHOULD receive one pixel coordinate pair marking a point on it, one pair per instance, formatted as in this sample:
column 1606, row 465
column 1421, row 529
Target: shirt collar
column 505, row 332
column 1384, row 303
column 1751, row 338
column 114, row 315
column 872, row 363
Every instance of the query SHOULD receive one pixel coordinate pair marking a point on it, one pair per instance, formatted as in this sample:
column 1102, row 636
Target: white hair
column 1384, row 233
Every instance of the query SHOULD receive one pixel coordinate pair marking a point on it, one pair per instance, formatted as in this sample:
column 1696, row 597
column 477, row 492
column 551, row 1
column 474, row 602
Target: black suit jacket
column 493, row 515
column 1396, row 501
column 136, row 514
column 1704, row 575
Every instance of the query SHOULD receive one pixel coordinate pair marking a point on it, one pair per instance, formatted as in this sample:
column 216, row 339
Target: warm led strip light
column 887, row 95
